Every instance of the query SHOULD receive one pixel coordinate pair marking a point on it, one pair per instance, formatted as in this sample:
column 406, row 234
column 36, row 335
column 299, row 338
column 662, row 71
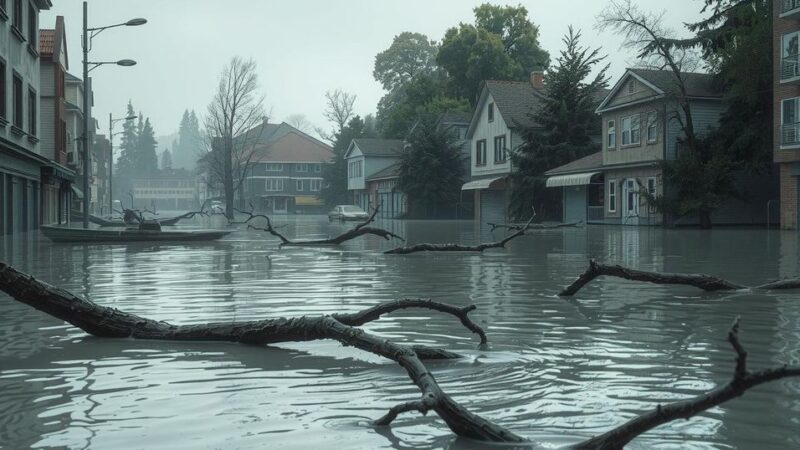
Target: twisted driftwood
column 103, row 321
column 533, row 226
column 702, row 281
column 360, row 230
column 459, row 247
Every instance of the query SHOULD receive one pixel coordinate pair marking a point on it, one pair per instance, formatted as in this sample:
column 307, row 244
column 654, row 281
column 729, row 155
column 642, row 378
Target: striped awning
column 575, row 179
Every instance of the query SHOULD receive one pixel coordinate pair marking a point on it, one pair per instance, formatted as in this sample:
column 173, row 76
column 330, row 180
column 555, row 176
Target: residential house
column 57, row 178
column 501, row 114
column 382, row 190
column 21, row 161
column 285, row 174
column 786, row 113
column 365, row 158
column 73, row 108
column 640, row 130
column 167, row 189
column 582, row 188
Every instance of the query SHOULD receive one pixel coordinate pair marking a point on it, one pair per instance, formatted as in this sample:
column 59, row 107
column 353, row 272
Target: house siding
column 488, row 131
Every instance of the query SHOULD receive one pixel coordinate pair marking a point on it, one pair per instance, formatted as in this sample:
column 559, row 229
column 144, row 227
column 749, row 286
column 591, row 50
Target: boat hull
column 123, row 236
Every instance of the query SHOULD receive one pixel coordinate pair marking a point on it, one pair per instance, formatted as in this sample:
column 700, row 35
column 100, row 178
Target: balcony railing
column 789, row 5
column 790, row 134
column 790, row 66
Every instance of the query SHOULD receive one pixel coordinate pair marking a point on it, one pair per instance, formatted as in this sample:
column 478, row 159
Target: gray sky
column 302, row 47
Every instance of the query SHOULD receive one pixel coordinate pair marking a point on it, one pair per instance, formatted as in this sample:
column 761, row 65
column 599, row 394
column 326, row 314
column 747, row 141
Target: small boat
column 115, row 222
column 125, row 235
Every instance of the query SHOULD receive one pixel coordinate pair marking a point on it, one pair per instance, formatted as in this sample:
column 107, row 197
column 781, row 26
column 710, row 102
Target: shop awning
column 307, row 200
column 575, row 179
column 78, row 193
column 485, row 183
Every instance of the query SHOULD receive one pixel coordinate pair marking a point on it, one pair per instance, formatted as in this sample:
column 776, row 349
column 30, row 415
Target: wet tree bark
column 533, row 226
column 701, row 281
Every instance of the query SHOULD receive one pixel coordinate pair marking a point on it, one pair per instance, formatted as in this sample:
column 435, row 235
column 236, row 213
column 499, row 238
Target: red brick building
column 786, row 112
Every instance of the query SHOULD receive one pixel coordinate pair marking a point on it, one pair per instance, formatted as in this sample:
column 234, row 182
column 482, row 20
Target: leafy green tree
column 502, row 44
column 431, row 169
column 410, row 54
column 334, row 175
column 567, row 127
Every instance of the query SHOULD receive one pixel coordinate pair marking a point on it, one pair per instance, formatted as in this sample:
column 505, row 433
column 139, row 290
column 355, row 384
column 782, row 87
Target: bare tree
column 339, row 110
column 301, row 122
column 231, row 120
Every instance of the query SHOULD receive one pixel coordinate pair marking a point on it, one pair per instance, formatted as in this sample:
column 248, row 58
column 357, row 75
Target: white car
column 347, row 212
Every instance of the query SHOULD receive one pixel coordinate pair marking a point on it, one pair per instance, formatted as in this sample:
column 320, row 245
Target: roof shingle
column 380, row 147
column 697, row 84
column 47, row 39
column 585, row 164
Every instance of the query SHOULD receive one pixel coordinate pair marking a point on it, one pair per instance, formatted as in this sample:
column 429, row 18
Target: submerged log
column 701, row 281
column 458, row 247
column 360, row 230
column 108, row 322
column 533, row 226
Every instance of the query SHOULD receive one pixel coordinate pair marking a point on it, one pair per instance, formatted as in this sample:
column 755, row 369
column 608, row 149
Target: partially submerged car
column 347, row 212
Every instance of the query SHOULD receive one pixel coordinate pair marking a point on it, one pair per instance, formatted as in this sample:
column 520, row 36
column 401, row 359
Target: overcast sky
column 302, row 47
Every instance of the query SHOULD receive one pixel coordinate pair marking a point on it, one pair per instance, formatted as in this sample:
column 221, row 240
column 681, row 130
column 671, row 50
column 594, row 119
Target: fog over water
column 558, row 370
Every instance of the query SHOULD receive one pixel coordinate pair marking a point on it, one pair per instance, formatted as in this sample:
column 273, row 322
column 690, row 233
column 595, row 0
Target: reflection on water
column 558, row 370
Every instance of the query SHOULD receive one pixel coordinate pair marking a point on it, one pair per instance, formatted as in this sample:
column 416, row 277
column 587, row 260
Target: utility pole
column 87, row 117
column 110, row 164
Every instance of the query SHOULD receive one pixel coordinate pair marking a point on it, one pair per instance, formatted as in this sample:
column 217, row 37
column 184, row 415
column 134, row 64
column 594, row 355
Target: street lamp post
column 87, row 114
column 111, row 122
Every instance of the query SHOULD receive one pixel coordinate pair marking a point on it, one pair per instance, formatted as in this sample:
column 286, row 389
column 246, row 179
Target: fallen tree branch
column 458, row 247
column 533, row 226
column 360, row 230
column 742, row 381
column 701, row 281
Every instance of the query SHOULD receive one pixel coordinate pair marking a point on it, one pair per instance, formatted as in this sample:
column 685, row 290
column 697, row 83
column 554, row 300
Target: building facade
column 21, row 161
column 504, row 108
column 166, row 190
column 786, row 112
column 365, row 158
column 285, row 175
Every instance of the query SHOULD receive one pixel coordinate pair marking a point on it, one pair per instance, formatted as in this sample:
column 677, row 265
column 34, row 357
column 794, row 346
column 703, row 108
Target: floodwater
column 558, row 370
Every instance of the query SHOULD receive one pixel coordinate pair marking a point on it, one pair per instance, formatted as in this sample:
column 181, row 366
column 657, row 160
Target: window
column 298, row 184
column 17, row 101
column 31, row 111
column 17, row 19
column 480, row 152
column 612, row 195
column 32, row 28
column 315, row 185
column 630, row 130
column 500, row 153
column 631, row 200
column 789, row 57
column 490, row 112
column 631, row 86
column 790, row 129
column 651, row 186
column 354, row 169
column 318, row 168
column 301, row 167
column 611, row 139
column 274, row 167
column 3, row 90
column 652, row 128
column 273, row 184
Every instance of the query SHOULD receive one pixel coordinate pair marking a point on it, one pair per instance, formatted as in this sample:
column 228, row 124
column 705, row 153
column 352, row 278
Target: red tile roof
column 47, row 39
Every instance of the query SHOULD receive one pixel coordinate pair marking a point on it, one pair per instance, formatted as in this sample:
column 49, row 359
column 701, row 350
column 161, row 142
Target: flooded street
column 558, row 370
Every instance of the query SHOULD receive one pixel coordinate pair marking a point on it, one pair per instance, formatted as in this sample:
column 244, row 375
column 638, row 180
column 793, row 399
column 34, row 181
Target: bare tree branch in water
column 533, row 226
column 701, row 281
column 458, row 247
column 360, row 230
column 108, row 322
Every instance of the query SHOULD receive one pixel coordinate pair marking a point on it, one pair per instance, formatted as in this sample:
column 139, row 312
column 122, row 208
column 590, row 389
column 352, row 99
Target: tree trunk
column 228, row 176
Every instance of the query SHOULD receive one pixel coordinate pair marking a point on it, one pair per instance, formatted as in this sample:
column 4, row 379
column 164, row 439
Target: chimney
column 537, row 79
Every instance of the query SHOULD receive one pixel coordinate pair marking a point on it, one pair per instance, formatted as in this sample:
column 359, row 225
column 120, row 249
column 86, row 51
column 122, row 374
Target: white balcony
column 790, row 135
column 790, row 9
column 790, row 69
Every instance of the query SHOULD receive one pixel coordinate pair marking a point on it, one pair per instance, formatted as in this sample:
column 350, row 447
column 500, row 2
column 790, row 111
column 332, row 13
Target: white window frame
column 490, row 112
column 298, row 185
column 612, row 196
column 631, row 86
column 651, row 186
column 611, row 134
column 317, row 168
column 315, row 185
column 301, row 167
column 500, row 153
column 480, row 153
column 629, row 128
column 795, row 70
column 277, row 182
column 790, row 129
column 652, row 124
column 273, row 167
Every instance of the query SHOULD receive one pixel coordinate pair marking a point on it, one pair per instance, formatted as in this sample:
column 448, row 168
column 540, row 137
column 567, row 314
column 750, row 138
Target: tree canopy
column 410, row 54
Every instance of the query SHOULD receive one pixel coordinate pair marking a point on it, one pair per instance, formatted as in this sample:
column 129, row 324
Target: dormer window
column 490, row 112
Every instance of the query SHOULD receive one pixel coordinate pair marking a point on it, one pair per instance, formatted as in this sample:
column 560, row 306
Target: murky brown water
column 558, row 370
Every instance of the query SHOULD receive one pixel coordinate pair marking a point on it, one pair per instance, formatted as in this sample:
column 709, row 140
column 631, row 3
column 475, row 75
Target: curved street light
column 88, row 34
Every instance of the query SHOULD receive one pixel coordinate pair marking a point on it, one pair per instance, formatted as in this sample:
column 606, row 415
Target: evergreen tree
column 125, row 163
column 566, row 125
column 147, row 161
column 166, row 160
column 188, row 148
column 431, row 169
